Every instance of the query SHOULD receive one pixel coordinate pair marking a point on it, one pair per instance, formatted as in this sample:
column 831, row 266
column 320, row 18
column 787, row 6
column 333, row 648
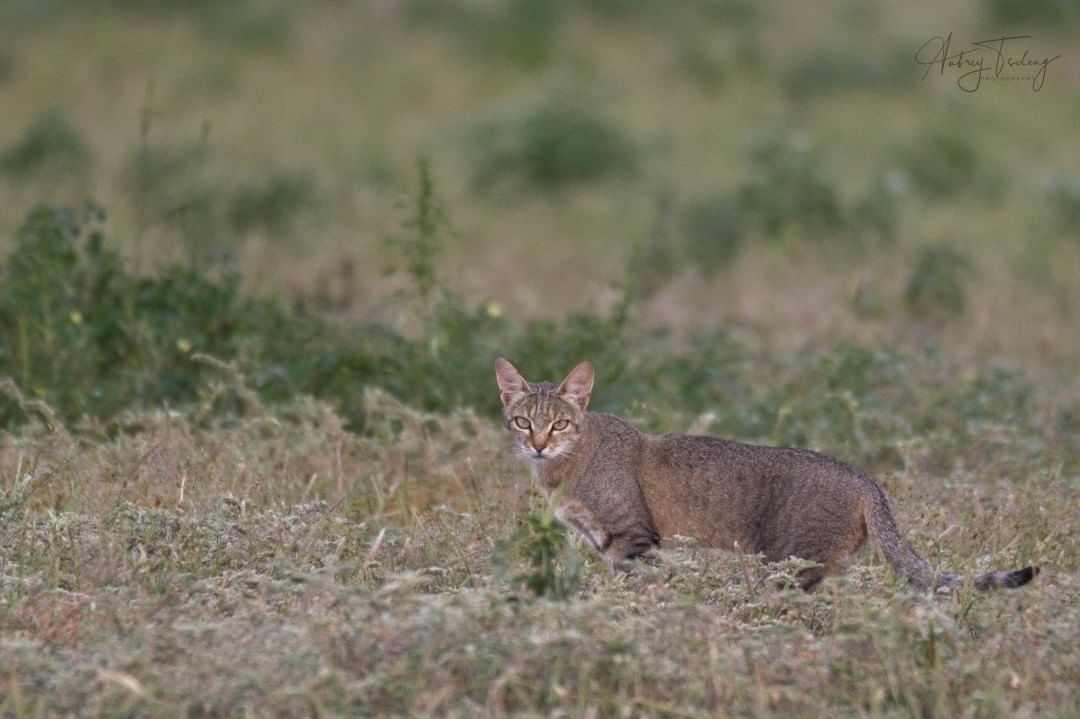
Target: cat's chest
column 549, row 479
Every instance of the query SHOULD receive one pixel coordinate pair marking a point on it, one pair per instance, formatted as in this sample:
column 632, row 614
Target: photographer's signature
column 996, row 59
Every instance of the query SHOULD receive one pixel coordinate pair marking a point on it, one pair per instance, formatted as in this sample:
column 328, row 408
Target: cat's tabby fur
column 626, row 491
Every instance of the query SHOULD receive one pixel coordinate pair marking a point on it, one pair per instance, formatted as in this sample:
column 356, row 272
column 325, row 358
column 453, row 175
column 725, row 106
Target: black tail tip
column 1021, row 576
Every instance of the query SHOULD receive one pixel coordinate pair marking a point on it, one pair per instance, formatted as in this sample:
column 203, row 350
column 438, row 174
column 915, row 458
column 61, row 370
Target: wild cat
column 625, row 491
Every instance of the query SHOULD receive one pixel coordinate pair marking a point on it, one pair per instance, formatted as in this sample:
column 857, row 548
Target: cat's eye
column 560, row 425
column 522, row 423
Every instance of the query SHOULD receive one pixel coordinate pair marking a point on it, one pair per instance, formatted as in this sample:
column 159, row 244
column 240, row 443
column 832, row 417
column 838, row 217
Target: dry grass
column 276, row 565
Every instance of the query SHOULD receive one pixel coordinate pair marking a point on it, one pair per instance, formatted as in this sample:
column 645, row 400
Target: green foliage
column 524, row 32
column 942, row 164
column 876, row 213
column 553, row 564
column 50, row 144
column 253, row 24
column 170, row 185
column 90, row 338
column 274, row 205
column 549, row 146
column 840, row 69
column 527, row 31
column 713, row 230
column 256, row 24
column 420, row 246
column 789, row 187
column 1064, row 196
column 685, row 13
column 176, row 187
column 937, row 284
column 1053, row 14
column 700, row 60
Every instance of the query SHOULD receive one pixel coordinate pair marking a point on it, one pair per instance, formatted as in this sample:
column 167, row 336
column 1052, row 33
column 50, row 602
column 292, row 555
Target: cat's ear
column 511, row 383
column 577, row 387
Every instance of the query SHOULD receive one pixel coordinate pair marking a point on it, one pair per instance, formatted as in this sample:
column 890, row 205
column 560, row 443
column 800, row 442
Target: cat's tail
column 908, row 565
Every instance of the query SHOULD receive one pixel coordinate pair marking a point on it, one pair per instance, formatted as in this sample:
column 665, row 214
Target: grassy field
column 257, row 259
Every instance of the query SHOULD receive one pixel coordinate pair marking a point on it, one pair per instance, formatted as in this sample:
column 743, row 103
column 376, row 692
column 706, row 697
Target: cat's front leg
column 573, row 513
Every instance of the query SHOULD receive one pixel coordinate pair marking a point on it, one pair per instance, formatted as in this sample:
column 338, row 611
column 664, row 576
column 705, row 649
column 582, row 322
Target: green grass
column 251, row 460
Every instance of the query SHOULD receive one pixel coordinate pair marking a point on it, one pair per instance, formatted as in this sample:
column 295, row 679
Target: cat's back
column 614, row 436
column 721, row 491
column 688, row 455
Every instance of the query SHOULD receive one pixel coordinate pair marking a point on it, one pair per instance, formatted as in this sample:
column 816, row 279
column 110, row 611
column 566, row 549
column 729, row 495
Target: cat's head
column 545, row 419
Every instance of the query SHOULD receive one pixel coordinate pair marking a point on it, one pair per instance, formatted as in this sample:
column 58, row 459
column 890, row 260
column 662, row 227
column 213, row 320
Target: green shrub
column 255, row 24
column 681, row 14
column 525, row 32
column 49, row 144
column 91, row 338
column 554, row 564
column 273, row 206
column 832, row 70
column 247, row 23
column 1064, row 196
column 170, row 185
column 937, row 284
column 942, row 163
column 713, row 229
column 84, row 333
column 548, row 146
column 789, row 187
column 1055, row 14
column 700, row 61
column 876, row 213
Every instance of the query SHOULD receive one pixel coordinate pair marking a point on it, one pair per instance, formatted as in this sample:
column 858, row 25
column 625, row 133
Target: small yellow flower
column 76, row 317
column 494, row 310
column 40, row 391
column 183, row 345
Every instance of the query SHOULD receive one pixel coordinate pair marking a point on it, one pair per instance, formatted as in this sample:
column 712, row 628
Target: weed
column 701, row 62
column 833, row 70
column 50, row 144
column 943, row 163
column 170, row 186
column 523, row 32
column 1064, row 196
column 1053, row 14
column 876, row 213
column 936, row 286
column 257, row 24
column 274, row 206
column 548, row 146
column 788, row 187
column 553, row 564
column 713, row 230
column 90, row 337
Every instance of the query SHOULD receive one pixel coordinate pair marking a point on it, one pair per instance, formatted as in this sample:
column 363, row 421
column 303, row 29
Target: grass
column 245, row 470
column 274, row 562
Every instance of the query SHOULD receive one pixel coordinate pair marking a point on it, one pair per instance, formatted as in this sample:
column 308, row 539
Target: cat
column 626, row 491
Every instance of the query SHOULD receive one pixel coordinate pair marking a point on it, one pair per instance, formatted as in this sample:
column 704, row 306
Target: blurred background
column 776, row 171
column 257, row 258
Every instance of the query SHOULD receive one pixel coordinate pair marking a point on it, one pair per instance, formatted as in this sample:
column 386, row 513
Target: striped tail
column 908, row 565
